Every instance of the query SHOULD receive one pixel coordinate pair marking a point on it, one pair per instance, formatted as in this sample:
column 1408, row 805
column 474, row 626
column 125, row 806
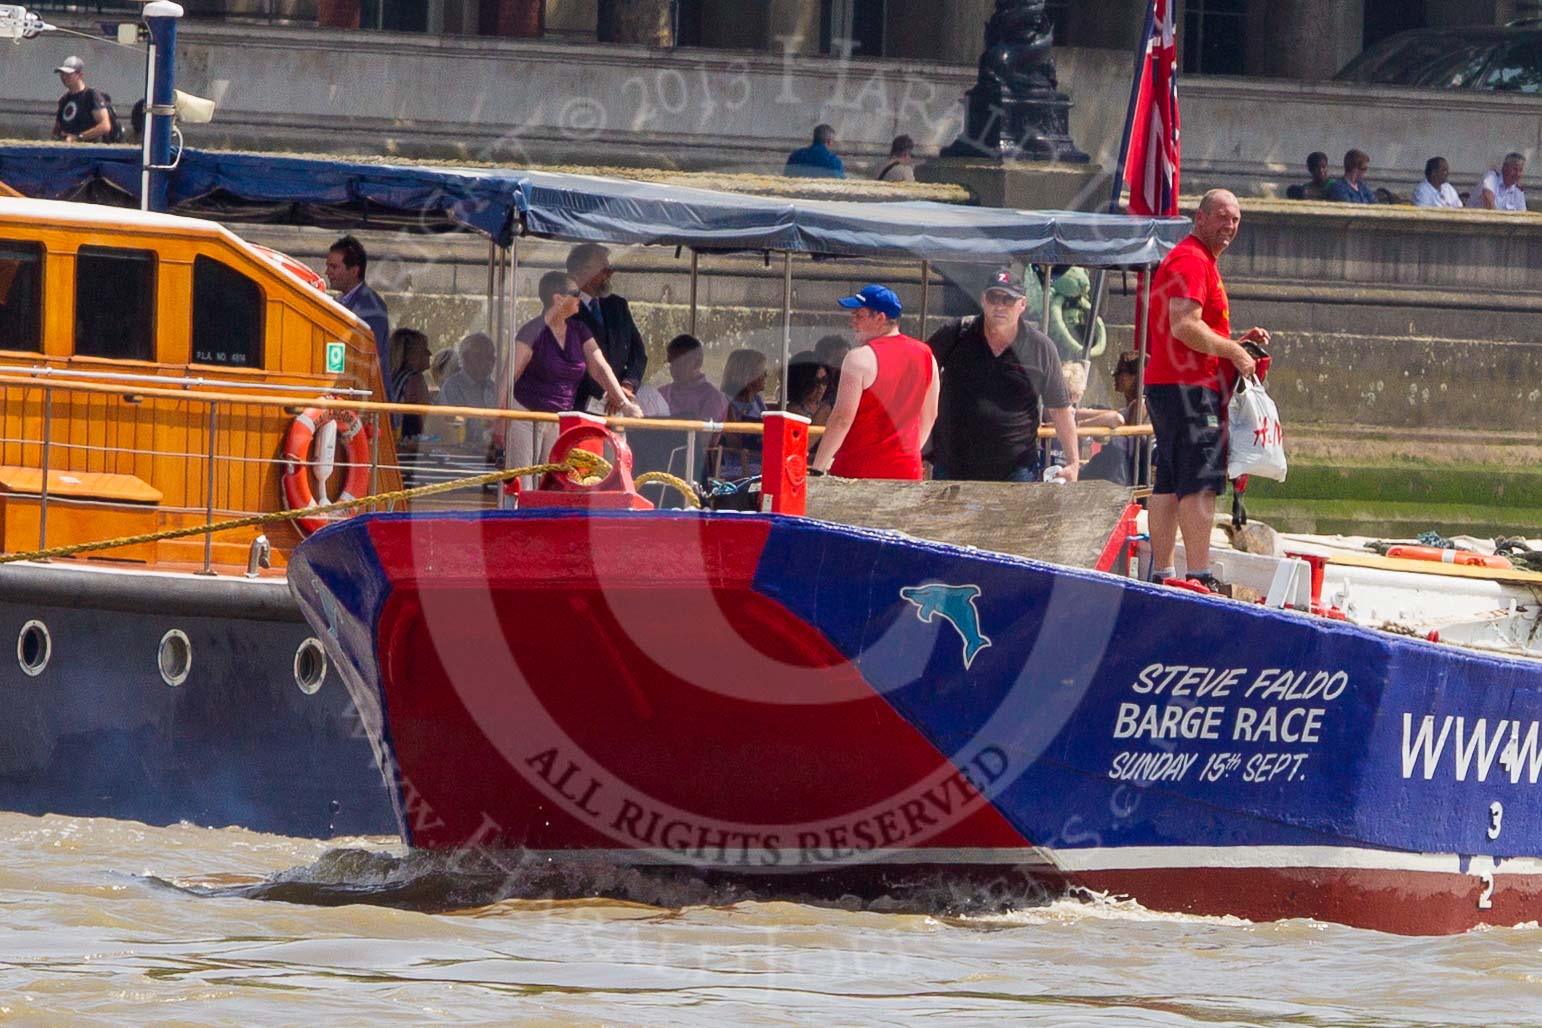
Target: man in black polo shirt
column 996, row 368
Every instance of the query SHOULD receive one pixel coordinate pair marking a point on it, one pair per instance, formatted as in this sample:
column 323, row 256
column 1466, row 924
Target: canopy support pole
column 1099, row 288
column 786, row 327
column 1143, row 300
column 508, row 259
column 493, row 257
column 1044, row 314
column 926, row 288
column 695, row 272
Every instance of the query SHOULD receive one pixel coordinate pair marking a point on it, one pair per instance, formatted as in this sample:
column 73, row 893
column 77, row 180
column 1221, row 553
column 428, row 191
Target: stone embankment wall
column 553, row 102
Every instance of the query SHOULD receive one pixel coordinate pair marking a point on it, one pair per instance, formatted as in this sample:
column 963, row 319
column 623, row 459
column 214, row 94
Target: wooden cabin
column 120, row 306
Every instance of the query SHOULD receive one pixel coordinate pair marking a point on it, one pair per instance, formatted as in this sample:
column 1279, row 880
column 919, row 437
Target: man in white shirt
column 1435, row 191
column 1500, row 190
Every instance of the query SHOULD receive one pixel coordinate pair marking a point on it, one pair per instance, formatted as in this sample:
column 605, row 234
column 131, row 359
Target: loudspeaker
column 192, row 110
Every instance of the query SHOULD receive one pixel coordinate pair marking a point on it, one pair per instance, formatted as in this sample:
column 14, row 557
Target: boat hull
column 98, row 731
column 790, row 701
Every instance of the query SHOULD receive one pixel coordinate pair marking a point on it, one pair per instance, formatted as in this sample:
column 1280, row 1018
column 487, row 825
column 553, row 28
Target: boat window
column 21, row 308
column 227, row 316
column 115, row 303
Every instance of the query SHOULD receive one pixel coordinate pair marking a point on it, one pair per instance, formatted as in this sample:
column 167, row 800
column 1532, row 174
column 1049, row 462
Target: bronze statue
column 1015, row 107
column 1017, row 57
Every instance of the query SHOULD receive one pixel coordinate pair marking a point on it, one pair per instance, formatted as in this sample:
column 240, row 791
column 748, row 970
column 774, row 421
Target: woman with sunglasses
column 551, row 354
column 808, row 387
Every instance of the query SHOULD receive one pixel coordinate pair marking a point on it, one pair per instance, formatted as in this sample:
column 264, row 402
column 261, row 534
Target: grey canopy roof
column 503, row 203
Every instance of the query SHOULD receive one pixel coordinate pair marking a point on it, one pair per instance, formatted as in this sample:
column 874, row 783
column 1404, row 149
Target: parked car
column 1505, row 59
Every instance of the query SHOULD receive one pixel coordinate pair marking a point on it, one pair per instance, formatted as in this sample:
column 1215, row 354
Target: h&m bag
column 1257, row 440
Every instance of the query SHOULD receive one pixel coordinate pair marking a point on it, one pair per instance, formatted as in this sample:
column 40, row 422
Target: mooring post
column 784, row 472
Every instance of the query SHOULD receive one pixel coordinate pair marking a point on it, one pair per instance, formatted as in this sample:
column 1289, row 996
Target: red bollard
column 784, row 466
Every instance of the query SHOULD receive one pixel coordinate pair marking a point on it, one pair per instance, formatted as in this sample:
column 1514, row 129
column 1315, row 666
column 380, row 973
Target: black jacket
column 620, row 342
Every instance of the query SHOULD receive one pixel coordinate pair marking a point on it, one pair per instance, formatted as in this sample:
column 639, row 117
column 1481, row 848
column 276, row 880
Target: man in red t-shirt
column 1190, row 335
column 886, row 404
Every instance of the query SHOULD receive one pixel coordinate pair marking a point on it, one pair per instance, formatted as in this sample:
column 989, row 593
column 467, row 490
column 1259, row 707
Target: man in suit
column 609, row 317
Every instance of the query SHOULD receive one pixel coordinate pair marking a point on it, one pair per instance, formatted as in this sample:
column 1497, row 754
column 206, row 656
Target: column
column 338, row 14
column 649, row 22
column 1303, row 39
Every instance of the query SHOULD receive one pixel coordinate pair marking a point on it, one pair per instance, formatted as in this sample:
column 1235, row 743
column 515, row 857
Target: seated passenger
column 1115, row 461
column 831, row 350
column 1352, row 188
column 744, row 382
column 1317, row 188
column 445, row 363
column 807, row 386
column 688, row 394
column 1087, row 417
column 472, row 385
column 410, row 358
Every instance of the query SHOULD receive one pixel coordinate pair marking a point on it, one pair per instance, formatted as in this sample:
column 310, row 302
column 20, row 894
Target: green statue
column 1070, row 305
column 1069, row 309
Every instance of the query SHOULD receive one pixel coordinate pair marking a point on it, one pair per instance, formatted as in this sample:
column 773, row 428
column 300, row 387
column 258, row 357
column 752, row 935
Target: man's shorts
column 1190, row 448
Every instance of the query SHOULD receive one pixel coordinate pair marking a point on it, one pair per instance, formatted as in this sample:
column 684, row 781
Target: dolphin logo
column 955, row 605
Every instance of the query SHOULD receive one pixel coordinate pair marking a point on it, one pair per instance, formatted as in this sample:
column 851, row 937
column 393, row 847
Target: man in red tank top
column 887, row 401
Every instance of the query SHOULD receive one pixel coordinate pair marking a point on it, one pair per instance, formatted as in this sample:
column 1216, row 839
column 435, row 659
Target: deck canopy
column 503, row 203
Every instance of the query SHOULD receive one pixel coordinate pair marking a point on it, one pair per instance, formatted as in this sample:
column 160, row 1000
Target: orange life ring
column 1462, row 558
column 354, row 437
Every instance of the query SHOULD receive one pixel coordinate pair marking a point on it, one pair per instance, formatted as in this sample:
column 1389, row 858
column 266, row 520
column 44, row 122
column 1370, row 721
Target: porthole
column 310, row 666
column 175, row 657
column 33, row 647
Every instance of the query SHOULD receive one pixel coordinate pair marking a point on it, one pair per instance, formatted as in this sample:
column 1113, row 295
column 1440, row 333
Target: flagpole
column 1129, row 116
column 1101, row 281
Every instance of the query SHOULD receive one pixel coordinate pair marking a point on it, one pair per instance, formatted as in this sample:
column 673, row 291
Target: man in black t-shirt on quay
column 996, row 368
column 83, row 115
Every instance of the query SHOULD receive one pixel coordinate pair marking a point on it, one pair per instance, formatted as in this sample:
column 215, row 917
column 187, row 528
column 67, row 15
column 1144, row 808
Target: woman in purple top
column 551, row 355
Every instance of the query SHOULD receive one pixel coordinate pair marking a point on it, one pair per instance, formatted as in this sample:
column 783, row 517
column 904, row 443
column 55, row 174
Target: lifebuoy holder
column 352, row 435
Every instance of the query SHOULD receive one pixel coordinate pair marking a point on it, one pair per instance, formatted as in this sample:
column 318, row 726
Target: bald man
column 1190, row 337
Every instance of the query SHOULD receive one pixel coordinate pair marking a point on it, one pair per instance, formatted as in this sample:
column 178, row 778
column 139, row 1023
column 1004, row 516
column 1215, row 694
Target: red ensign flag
column 1152, row 167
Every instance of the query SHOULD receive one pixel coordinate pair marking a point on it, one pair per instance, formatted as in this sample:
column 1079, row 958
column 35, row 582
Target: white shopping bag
column 1257, row 438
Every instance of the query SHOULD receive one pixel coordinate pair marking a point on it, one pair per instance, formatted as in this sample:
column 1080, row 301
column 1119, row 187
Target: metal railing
column 683, row 452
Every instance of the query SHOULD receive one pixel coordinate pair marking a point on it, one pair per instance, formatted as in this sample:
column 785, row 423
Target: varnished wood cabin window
column 227, row 316
column 115, row 303
column 21, row 296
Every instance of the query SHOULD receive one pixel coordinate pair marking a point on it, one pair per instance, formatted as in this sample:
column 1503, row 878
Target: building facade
column 1292, row 39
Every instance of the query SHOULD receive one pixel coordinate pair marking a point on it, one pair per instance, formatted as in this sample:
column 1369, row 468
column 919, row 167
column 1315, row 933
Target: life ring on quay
column 355, row 439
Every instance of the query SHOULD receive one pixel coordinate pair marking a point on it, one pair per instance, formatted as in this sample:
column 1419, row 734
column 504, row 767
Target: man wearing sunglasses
column 996, row 370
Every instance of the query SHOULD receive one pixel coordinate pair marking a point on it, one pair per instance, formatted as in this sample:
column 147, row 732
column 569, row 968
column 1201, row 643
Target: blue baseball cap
column 874, row 298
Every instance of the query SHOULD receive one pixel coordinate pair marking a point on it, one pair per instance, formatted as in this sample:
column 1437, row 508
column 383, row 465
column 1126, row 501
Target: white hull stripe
column 793, row 859
column 1127, row 858
column 1123, row 858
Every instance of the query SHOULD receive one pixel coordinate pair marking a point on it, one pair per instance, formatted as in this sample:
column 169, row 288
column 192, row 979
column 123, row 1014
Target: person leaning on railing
column 551, row 354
